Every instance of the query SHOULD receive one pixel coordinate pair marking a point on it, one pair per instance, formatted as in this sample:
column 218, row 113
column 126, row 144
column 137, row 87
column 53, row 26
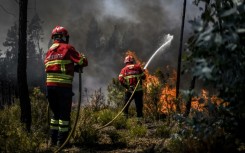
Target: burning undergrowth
column 160, row 93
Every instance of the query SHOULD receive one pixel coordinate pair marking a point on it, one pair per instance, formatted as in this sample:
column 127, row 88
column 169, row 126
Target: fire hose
column 167, row 42
column 77, row 116
column 78, row 112
column 169, row 39
column 122, row 108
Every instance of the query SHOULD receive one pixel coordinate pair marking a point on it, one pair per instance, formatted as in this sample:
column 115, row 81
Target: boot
column 62, row 138
column 54, row 137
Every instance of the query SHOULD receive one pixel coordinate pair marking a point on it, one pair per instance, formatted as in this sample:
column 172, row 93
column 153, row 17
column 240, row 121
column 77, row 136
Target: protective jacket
column 59, row 64
column 130, row 75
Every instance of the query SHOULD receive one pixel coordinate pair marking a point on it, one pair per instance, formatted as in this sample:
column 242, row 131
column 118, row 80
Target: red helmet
column 129, row 59
column 58, row 30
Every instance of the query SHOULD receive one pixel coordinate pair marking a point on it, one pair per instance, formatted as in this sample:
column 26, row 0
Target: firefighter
column 61, row 61
column 128, row 78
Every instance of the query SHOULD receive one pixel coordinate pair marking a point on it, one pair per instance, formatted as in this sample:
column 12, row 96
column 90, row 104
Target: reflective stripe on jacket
column 130, row 75
column 59, row 64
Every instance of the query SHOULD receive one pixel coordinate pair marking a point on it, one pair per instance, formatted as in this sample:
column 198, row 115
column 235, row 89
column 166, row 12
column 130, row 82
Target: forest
column 206, row 117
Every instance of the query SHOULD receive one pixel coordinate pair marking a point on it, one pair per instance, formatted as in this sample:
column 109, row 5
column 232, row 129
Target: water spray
column 166, row 43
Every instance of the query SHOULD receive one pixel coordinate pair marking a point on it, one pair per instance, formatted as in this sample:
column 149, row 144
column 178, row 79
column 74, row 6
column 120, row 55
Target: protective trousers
column 138, row 99
column 60, row 100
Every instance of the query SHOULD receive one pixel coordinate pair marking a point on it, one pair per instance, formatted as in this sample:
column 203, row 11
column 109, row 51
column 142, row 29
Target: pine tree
column 11, row 54
column 35, row 66
column 114, row 43
column 93, row 37
column 114, row 48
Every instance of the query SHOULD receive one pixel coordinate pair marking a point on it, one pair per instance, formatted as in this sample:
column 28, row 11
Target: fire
column 160, row 94
column 166, row 102
column 167, row 99
column 137, row 60
column 199, row 103
column 168, row 96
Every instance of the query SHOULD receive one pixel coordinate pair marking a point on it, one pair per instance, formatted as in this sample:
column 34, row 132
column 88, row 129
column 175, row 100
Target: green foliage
column 115, row 93
column 216, row 55
column 135, row 129
column 204, row 132
column 105, row 115
column 39, row 111
column 163, row 131
column 116, row 137
column 138, row 131
column 175, row 144
column 215, row 51
column 120, row 122
column 209, row 130
column 152, row 99
column 86, row 133
column 13, row 137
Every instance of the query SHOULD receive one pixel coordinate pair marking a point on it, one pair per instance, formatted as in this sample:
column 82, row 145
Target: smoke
column 137, row 25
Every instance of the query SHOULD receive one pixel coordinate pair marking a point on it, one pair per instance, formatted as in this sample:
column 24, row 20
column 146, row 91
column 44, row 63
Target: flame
column 200, row 102
column 167, row 100
column 132, row 53
column 167, row 94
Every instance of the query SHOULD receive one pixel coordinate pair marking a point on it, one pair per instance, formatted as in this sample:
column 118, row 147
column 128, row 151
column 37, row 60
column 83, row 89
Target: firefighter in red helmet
column 61, row 61
column 128, row 77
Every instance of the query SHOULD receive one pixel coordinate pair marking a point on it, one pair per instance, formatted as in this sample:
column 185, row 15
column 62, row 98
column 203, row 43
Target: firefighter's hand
column 78, row 68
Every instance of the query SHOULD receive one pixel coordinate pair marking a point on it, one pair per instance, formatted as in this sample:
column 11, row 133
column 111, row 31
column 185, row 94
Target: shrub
column 115, row 93
column 104, row 116
column 136, row 130
column 97, row 100
column 120, row 122
column 116, row 137
column 163, row 131
column 174, row 144
column 86, row 133
column 13, row 137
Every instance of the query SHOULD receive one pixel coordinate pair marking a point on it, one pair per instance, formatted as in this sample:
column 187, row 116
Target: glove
column 77, row 68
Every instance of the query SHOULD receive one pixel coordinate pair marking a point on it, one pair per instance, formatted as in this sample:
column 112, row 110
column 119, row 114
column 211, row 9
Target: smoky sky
column 143, row 23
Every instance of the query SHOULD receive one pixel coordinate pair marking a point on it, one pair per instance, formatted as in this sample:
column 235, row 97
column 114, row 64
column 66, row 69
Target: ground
column 149, row 143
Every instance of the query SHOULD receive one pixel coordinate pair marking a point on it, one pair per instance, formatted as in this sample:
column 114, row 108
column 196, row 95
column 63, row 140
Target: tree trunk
column 25, row 105
column 179, row 57
column 188, row 103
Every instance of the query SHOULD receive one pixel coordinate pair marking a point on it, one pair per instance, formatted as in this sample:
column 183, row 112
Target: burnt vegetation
column 211, row 120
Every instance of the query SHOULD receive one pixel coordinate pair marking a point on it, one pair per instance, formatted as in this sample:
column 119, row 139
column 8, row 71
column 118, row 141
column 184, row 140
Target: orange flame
column 166, row 100
column 200, row 102
column 131, row 53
